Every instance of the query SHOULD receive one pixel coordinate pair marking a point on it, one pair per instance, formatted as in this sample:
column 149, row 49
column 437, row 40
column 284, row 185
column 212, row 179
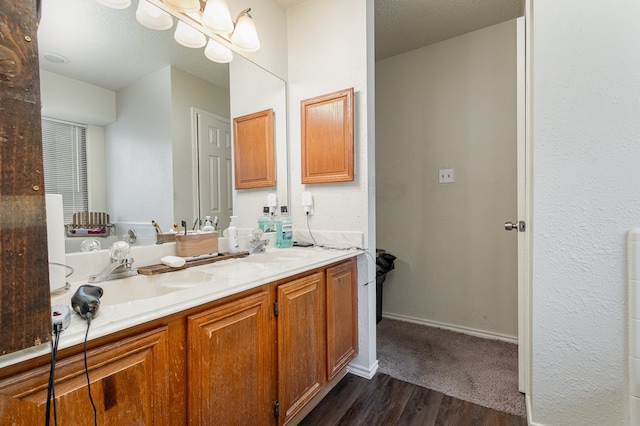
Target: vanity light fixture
column 217, row 52
column 189, row 36
column 244, row 35
column 195, row 24
column 152, row 16
column 216, row 17
column 184, row 5
column 115, row 4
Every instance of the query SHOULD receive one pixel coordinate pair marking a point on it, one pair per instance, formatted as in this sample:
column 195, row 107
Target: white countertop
column 132, row 301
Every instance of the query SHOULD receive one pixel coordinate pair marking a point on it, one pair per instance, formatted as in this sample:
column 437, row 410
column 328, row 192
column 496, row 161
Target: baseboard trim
column 529, row 414
column 465, row 330
column 362, row 371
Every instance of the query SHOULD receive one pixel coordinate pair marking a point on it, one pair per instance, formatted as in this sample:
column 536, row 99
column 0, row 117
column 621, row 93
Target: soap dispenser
column 284, row 225
column 232, row 236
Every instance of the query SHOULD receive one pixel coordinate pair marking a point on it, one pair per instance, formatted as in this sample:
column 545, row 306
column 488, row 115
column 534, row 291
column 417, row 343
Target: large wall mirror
column 152, row 109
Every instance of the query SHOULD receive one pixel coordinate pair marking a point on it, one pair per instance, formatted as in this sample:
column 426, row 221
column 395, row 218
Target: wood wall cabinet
column 327, row 138
column 130, row 384
column 253, row 150
column 254, row 358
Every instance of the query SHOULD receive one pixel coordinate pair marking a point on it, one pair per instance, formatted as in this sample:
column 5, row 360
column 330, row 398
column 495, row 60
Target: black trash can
column 384, row 263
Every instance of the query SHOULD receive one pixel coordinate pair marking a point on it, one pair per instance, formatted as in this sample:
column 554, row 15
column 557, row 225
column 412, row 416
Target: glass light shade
column 217, row 52
column 245, row 35
column 152, row 16
column 184, row 5
column 188, row 36
column 216, row 17
column 115, row 4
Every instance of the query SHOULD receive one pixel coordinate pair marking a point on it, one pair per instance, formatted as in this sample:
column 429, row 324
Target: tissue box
column 196, row 244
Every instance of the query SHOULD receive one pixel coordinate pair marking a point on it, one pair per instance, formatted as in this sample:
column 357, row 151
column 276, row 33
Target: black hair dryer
column 86, row 300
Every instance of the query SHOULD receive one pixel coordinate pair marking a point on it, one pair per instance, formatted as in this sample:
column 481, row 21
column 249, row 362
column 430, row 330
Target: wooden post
column 25, row 307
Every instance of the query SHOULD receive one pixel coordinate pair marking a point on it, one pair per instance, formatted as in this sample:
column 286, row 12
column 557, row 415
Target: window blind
column 64, row 147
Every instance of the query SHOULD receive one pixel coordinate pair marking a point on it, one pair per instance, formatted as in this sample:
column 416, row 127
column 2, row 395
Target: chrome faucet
column 258, row 245
column 118, row 267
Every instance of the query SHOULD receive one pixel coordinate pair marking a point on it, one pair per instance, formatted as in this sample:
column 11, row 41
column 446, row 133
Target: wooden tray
column 161, row 268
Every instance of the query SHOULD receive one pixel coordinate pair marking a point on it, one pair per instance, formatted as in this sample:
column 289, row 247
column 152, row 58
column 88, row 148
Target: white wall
column 138, row 152
column 450, row 105
column 188, row 91
column 73, row 100
column 586, row 195
column 329, row 51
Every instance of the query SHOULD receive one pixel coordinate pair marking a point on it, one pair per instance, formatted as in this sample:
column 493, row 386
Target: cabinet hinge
column 276, row 409
column 276, row 309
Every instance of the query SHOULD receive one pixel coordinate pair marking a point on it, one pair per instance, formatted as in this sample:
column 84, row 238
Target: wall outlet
column 445, row 176
column 307, row 203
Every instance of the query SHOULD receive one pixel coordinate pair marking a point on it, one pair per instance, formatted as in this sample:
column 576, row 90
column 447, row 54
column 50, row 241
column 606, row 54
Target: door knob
column 518, row 226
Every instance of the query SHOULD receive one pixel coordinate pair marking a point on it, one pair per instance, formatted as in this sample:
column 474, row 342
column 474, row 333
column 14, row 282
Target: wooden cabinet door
column 342, row 316
column 129, row 386
column 301, row 343
column 230, row 360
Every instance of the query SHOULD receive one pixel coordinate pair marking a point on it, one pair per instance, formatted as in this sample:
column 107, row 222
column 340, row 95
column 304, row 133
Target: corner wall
column 451, row 105
column 328, row 51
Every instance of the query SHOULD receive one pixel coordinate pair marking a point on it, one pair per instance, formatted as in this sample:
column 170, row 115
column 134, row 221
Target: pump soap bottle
column 232, row 236
column 284, row 226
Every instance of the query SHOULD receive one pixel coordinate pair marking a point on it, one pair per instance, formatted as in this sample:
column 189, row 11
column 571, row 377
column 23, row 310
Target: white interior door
column 214, row 174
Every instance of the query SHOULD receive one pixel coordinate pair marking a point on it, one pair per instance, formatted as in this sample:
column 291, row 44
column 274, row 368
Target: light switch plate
column 445, row 176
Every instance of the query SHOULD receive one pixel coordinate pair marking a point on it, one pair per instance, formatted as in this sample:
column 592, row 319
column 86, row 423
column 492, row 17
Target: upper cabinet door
column 327, row 138
column 253, row 150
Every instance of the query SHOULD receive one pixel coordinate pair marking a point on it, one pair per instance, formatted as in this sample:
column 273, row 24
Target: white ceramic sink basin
column 238, row 269
column 140, row 287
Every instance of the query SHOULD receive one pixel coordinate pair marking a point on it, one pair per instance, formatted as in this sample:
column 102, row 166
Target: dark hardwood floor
column 388, row 401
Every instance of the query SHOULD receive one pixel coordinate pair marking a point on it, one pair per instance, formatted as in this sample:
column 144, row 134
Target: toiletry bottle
column 265, row 222
column 232, row 236
column 208, row 226
column 284, row 226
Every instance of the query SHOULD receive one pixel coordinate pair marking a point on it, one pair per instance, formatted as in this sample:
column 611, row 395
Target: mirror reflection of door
column 213, row 152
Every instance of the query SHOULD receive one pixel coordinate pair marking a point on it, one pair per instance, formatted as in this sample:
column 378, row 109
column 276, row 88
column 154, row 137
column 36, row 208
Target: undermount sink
column 238, row 268
column 140, row 287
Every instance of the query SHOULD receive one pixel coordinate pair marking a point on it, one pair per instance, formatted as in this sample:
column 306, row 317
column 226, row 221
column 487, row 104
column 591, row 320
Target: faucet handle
column 119, row 251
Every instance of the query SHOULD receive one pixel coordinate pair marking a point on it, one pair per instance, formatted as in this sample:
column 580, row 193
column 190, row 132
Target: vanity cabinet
column 229, row 361
column 254, row 358
column 342, row 316
column 131, row 383
column 301, row 343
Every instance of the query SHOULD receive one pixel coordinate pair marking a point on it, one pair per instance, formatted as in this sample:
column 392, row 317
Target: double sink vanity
column 254, row 340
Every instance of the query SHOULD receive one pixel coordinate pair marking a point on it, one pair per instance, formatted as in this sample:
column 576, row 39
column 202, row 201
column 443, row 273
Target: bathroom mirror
column 145, row 167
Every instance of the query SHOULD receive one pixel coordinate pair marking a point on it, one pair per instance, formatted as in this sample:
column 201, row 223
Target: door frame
column 524, row 208
column 195, row 154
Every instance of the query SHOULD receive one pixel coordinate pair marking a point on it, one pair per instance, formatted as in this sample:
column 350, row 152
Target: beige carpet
column 470, row 368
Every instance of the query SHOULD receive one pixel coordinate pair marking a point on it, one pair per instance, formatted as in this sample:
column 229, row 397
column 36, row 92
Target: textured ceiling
column 404, row 25
column 109, row 48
